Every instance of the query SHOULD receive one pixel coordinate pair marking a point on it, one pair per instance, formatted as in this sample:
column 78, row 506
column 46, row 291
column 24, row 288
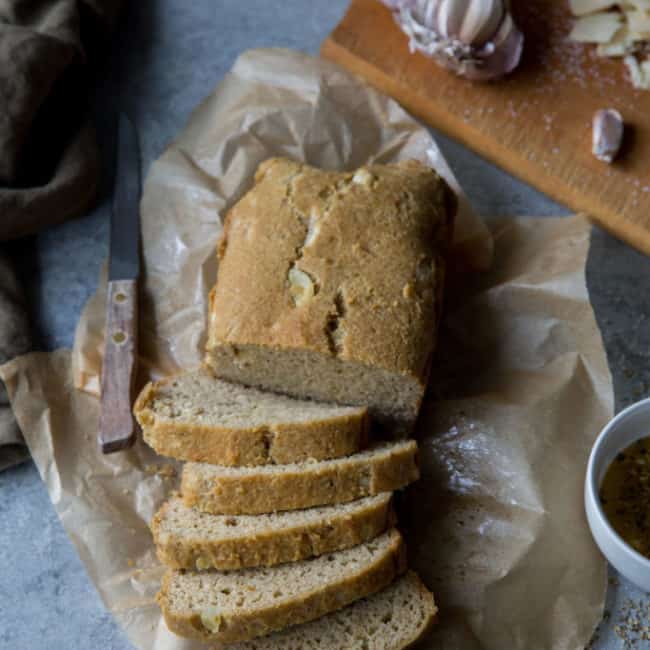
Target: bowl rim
column 593, row 488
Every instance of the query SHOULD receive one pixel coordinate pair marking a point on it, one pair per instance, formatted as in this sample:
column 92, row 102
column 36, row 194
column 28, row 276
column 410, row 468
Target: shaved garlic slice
column 642, row 5
column 619, row 29
column 596, row 28
column 583, row 7
column 612, row 50
column 639, row 72
column 639, row 22
column 619, row 46
column 645, row 70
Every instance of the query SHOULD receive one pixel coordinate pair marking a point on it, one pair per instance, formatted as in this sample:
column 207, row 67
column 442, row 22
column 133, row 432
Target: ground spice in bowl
column 625, row 495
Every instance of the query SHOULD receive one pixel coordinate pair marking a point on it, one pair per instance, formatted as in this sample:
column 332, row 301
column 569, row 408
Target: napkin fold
column 49, row 167
column 14, row 341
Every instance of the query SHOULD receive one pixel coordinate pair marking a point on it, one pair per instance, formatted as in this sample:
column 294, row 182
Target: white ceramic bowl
column 627, row 427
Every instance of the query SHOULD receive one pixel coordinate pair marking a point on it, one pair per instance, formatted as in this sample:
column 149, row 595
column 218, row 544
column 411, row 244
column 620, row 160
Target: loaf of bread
column 240, row 605
column 272, row 488
column 392, row 619
column 189, row 539
column 195, row 416
column 329, row 285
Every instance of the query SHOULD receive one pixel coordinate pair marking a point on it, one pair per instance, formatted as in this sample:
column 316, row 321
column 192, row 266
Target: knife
column 116, row 425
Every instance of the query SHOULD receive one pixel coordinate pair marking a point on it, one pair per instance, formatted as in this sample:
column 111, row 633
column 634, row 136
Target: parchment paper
column 521, row 385
column 273, row 103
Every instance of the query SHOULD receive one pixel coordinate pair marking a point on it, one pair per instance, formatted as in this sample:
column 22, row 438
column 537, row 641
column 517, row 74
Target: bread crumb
column 162, row 470
column 408, row 291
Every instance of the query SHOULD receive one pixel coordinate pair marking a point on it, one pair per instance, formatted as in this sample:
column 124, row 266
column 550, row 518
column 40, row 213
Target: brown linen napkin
column 49, row 163
column 14, row 341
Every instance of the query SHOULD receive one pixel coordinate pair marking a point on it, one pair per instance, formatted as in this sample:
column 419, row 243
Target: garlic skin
column 476, row 39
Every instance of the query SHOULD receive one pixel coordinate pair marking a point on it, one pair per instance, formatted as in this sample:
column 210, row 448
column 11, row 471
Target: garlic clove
column 449, row 17
column 596, row 28
column 426, row 9
column 620, row 45
column 634, row 69
column 313, row 227
column 363, row 177
column 212, row 619
column 508, row 47
column 481, row 21
column 509, row 44
column 639, row 22
column 639, row 72
column 583, row 7
column 607, row 134
column 301, row 286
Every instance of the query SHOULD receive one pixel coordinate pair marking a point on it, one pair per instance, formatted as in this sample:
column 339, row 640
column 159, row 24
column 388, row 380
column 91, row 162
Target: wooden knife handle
column 116, row 424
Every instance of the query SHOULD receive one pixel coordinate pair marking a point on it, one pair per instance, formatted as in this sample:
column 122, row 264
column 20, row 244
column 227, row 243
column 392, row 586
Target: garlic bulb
column 477, row 39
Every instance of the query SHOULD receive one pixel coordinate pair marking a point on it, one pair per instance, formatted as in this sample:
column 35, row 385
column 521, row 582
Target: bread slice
column 330, row 285
column 240, row 605
column 188, row 539
column 392, row 619
column 194, row 416
column 271, row 488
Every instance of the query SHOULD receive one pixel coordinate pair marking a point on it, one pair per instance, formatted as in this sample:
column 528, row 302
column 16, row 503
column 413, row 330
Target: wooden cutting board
column 536, row 123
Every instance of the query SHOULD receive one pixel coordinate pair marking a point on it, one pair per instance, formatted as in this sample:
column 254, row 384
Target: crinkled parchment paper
column 520, row 388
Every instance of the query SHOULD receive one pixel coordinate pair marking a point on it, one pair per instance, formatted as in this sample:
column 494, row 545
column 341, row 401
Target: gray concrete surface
column 167, row 56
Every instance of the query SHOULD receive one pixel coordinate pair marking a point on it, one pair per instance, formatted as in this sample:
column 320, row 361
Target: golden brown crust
column 280, row 443
column 247, row 624
column 372, row 243
column 299, row 486
column 273, row 546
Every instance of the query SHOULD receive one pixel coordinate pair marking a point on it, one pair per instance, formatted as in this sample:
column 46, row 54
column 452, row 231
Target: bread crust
column 280, row 443
column 277, row 545
column 301, row 485
column 395, row 228
column 244, row 624
column 367, row 252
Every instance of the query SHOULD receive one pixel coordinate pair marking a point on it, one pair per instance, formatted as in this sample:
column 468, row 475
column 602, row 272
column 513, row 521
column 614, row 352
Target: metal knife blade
column 124, row 258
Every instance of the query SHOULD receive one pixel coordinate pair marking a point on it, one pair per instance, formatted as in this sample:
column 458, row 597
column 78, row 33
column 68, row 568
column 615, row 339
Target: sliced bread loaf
column 330, row 285
column 271, row 488
column 189, row 539
column 392, row 619
column 194, row 416
column 240, row 605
